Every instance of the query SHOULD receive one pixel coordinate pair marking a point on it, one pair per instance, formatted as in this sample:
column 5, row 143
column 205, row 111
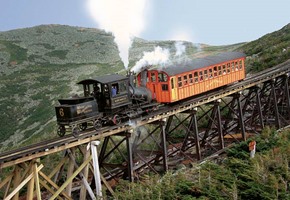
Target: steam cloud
column 180, row 48
column 124, row 19
column 158, row 56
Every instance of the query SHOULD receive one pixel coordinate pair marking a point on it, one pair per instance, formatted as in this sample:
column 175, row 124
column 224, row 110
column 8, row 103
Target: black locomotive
column 106, row 100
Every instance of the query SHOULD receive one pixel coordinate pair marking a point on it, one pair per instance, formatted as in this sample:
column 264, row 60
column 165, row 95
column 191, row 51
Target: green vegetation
column 61, row 54
column 266, row 176
column 17, row 54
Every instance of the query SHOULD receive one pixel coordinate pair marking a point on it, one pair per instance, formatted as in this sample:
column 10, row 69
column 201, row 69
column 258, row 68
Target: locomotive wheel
column 61, row 131
column 97, row 124
column 116, row 119
column 83, row 126
column 75, row 131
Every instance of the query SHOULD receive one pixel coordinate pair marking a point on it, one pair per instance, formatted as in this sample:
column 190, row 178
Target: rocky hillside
column 41, row 64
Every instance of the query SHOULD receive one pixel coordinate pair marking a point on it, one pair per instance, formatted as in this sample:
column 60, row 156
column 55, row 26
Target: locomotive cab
column 110, row 91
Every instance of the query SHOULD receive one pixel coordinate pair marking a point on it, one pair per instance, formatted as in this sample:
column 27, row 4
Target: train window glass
column 205, row 75
column 162, row 77
column 179, row 82
column 228, row 68
column 233, row 67
column 172, row 84
column 115, row 89
column 164, row 87
column 153, row 78
column 122, row 88
column 195, row 77
column 215, row 71
column 86, row 90
column 241, row 64
column 220, row 70
column 190, row 78
column 97, row 87
column 185, row 79
column 200, row 76
column 210, row 73
column 106, row 91
column 237, row 66
column 224, row 69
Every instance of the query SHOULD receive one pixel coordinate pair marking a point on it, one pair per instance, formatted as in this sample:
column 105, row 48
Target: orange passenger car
column 176, row 82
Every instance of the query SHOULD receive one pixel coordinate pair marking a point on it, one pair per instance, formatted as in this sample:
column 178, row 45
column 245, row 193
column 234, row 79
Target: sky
column 212, row 22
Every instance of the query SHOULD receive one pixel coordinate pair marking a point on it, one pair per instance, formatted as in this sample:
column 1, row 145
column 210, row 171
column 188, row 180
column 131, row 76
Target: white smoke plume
column 180, row 48
column 125, row 19
column 157, row 57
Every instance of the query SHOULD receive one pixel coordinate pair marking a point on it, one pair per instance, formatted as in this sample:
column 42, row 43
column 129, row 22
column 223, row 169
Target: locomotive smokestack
column 131, row 76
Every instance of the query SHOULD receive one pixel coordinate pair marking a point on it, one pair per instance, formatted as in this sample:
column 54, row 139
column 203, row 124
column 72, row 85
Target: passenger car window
column 179, row 82
column 153, row 78
column 164, row 87
column 210, row 73
column 195, row 77
column 190, row 78
column 205, row 75
column 172, row 84
column 185, row 79
column 200, row 76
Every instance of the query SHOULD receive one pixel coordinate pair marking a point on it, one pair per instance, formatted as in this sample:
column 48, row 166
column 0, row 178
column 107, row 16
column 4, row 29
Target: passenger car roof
column 197, row 63
column 104, row 79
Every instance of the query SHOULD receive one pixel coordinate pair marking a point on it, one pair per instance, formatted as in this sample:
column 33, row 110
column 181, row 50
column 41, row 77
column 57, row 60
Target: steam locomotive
column 111, row 99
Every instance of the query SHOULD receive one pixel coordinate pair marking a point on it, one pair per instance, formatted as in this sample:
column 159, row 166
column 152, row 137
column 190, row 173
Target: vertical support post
column 30, row 185
column 258, row 100
column 287, row 93
column 168, row 124
column 277, row 119
column 16, row 181
column 163, row 144
column 130, row 157
column 241, row 119
column 70, row 171
column 97, row 175
column 103, row 149
column 219, row 124
column 195, row 131
column 83, row 191
column 37, row 185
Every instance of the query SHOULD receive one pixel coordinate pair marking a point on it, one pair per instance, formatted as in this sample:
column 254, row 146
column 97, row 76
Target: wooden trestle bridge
column 71, row 168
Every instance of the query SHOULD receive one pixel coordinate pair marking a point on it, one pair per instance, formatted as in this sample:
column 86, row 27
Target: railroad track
column 60, row 143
